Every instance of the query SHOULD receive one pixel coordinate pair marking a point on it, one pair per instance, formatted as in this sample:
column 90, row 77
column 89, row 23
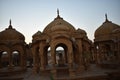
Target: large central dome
column 58, row 25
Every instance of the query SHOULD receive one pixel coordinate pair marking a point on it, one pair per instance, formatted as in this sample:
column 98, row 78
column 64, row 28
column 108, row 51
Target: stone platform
column 93, row 73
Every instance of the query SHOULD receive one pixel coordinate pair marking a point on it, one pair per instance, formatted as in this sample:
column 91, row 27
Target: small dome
column 11, row 34
column 106, row 28
column 81, row 31
column 37, row 34
column 58, row 24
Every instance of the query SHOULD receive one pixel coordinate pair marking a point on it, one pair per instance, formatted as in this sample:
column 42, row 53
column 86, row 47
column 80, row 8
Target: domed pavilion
column 12, row 49
column 71, row 59
column 107, row 42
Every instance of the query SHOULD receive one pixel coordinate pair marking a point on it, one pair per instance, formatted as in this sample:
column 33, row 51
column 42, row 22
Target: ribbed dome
column 57, row 25
column 11, row 34
column 106, row 28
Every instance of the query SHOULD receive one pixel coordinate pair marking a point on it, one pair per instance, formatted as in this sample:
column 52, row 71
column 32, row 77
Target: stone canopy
column 107, row 43
column 12, row 49
column 60, row 33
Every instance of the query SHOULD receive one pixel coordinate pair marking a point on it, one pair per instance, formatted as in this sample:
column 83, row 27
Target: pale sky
column 29, row 16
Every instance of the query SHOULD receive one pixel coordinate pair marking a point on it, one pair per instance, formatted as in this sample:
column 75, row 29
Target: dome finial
column 10, row 26
column 106, row 17
column 10, row 21
column 58, row 16
column 57, row 11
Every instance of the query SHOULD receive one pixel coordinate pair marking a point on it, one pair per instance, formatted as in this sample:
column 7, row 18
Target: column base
column 23, row 68
column 80, row 69
column 42, row 68
column 71, row 72
column 54, row 73
column 35, row 70
column 10, row 68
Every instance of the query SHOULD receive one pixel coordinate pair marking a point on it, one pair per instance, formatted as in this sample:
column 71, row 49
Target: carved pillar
column 53, row 56
column 81, row 66
column 35, row 65
column 10, row 67
column 97, row 47
column 70, row 61
column 95, row 53
column 99, row 54
column 118, row 50
column 0, row 59
column 46, row 57
column 23, row 59
column 66, row 58
column 42, row 57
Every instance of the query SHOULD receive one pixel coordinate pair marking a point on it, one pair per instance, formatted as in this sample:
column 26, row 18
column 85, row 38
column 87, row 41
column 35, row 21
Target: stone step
column 4, row 75
column 84, row 78
column 11, row 78
column 114, row 75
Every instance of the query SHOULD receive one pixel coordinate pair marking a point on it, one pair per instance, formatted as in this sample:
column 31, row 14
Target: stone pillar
column 70, row 62
column 95, row 54
column 46, row 57
column 81, row 66
column 0, row 59
column 42, row 54
column 35, row 65
column 42, row 58
column 10, row 67
column 53, row 56
column 118, row 49
column 0, row 63
column 99, row 54
column 25, row 58
column 66, row 58
column 22, row 60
